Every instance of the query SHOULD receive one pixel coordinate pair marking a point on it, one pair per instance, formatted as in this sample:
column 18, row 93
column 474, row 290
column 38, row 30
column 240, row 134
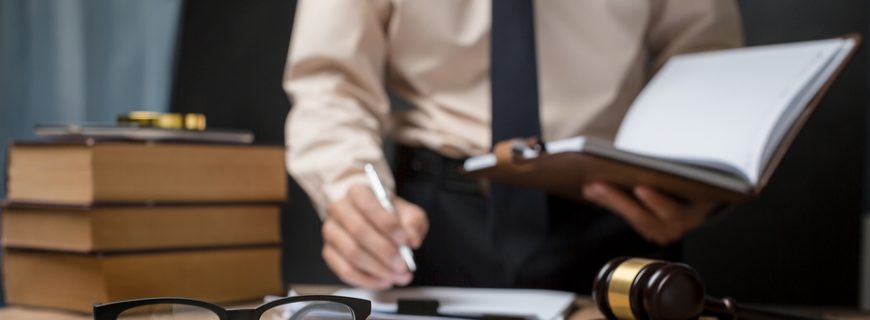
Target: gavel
column 635, row 288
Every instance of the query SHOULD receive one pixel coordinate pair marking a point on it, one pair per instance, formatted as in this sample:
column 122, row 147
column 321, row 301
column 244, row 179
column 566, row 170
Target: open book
column 709, row 126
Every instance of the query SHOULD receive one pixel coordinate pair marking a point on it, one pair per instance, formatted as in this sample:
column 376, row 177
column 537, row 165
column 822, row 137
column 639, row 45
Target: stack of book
column 91, row 221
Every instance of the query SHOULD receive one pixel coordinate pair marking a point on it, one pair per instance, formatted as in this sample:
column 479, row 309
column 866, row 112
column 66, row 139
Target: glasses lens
column 309, row 310
column 168, row 312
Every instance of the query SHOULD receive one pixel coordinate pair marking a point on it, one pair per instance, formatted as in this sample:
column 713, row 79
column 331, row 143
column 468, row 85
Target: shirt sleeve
column 340, row 110
column 681, row 26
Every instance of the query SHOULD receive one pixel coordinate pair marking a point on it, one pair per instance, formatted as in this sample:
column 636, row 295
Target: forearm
column 327, row 148
column 335, row 80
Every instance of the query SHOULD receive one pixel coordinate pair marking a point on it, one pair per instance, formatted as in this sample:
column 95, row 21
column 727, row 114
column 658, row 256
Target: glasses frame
column 360, row 308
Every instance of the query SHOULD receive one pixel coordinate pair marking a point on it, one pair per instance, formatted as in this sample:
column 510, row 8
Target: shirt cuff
column 337, row 190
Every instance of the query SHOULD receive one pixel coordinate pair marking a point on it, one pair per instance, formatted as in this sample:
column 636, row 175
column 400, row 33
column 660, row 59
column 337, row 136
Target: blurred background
column 805, row 241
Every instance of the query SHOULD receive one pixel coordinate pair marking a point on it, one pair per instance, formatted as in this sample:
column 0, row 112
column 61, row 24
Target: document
column 473, row 302
column 468, row 303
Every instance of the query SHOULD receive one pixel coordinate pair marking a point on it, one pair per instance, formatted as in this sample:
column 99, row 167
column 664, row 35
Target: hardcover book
column 75, row 282
column 92, row 171
column 125, row 228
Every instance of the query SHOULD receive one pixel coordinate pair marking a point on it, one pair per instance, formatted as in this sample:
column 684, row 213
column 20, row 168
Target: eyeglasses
column 315, row 307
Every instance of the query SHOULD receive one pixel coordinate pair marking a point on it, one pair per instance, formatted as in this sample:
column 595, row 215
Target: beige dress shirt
column 594, row 56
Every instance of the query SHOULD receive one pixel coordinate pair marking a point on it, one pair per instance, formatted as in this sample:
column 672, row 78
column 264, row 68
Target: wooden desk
column 586, row 309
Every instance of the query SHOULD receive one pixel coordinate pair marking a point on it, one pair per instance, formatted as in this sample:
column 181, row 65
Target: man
column 563, row 68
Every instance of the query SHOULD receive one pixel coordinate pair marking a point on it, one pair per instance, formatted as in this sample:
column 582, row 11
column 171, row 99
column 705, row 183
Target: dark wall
column 229, row 66
column 799, row 242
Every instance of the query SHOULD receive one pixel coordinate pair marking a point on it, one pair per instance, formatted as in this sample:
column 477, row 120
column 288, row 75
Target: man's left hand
column 656, row 217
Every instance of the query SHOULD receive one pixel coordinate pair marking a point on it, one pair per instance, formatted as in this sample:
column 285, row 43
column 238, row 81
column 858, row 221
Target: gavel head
column 633, row 288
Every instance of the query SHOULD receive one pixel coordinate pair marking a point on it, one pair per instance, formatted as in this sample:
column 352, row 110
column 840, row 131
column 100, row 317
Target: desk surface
column 585, row 312
column 586, row 309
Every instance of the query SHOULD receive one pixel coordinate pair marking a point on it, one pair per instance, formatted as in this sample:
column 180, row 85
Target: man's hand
column 655, row 216
column 361, row 239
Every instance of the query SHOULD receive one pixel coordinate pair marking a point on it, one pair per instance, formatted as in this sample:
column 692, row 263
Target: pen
column 381, row 194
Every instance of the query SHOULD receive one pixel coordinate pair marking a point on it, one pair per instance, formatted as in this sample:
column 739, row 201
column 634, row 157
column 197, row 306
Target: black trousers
column 458, row 251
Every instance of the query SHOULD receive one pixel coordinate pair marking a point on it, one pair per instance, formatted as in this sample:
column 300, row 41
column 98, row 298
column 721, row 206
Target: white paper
column 720, row 108
column 538, row 304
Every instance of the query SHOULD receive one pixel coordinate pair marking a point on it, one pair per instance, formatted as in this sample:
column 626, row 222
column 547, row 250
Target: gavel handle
column 727, row 308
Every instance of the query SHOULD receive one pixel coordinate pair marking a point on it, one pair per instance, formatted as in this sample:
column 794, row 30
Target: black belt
column 422, row 162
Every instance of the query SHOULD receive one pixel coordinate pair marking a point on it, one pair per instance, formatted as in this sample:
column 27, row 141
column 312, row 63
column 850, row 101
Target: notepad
column 728, row 109
column 710, row 126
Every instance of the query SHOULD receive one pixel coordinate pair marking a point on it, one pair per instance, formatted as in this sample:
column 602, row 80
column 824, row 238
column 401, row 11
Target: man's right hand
column 361, row 239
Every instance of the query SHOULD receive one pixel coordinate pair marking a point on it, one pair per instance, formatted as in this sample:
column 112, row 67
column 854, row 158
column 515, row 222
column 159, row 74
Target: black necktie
column 519, row 214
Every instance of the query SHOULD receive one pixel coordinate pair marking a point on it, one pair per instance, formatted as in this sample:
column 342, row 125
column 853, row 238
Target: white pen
column 381, row 194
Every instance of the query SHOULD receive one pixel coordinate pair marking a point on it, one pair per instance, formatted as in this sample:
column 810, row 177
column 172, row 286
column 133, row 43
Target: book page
column 721, row 107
